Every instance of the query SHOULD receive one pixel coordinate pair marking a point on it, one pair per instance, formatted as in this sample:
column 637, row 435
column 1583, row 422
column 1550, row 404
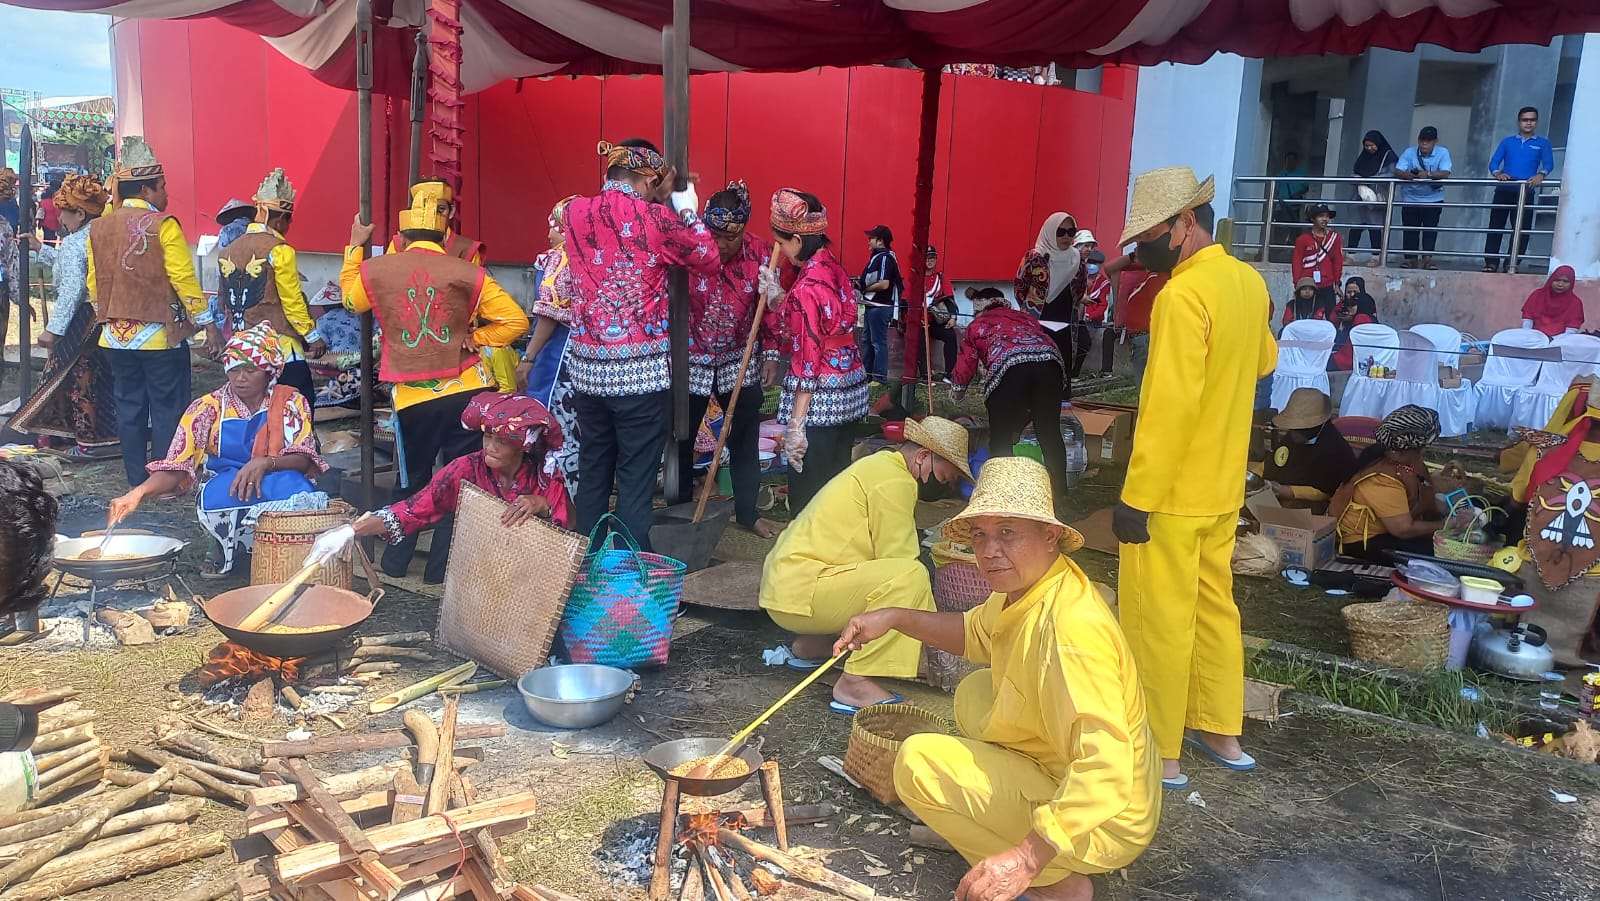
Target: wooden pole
column 22, row 292
column 116, row 869
column 733, row 399
column 666, row 834
column 921, row 218
column 805, row 870
column 364, row 61
column 80, row 832
column 419, row 104
column 675, row 134
column 772, row 789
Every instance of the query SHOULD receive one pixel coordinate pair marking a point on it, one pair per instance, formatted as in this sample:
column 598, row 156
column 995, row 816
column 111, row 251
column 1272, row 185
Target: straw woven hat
column 1306, row 408
column 1160, row 194
column 1012, row 486
column 944, row 438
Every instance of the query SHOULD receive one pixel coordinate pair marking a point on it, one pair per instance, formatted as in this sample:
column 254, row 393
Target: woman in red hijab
column 1555, row 309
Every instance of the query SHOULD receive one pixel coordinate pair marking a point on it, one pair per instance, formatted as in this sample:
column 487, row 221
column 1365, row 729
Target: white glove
column 767, row 280
column 330, row 543
column 686, row 201
column 794, row 446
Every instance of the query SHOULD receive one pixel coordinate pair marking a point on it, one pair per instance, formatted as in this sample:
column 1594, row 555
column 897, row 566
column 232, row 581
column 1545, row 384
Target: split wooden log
column 443, row 769
column 793, row 814
column 130, row 629
column 39, row 697
column 180, row 785
column 369, row 741
column 804, row 870
column 540, row 893
column 728, row 872
column 260, row 819
column 292, row 698
column 380, row 651
column 117, row 869
column 296, row 770
column 694, row 887
column 62, row 738
column 393, row 638
column 374, row 872
column 225, row 791
column 17, row 838
column 316, row 858
column 344, row 784
column 78, row 833
column 64, row 716
column 716, row 888
column 377, row 667
column 198, row 747
column 111, row 847
column 487, row 847
column 212, row 890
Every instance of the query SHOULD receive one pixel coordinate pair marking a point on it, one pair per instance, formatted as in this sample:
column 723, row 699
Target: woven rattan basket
column 1410, row 635
column 876, row 734
column 1464, row 551
column 283, row 538
column 506, row 588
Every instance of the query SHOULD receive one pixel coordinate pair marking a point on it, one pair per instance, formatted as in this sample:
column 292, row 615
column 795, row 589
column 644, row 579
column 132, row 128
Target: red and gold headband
column 640, row 160
column 791, row 214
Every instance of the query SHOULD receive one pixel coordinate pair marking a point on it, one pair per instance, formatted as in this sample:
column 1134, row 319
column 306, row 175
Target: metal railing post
column 1516, row 228
column 1388, row 218
column 1269, row 201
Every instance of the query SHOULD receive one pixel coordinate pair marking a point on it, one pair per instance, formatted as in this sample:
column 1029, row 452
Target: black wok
column 663, row 757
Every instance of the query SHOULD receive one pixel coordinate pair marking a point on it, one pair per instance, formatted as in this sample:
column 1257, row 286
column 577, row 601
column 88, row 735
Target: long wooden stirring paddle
column 279, row 598
column 704, row 770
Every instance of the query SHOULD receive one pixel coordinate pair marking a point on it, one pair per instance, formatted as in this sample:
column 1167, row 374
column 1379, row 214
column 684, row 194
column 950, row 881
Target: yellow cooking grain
column 277, row 629
column 726, row 768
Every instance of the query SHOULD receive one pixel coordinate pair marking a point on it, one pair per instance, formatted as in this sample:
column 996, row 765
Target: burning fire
column 701, row 828
column 229, row 661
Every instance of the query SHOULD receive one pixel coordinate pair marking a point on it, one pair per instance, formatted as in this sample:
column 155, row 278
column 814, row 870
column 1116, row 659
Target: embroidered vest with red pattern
column 425, row 303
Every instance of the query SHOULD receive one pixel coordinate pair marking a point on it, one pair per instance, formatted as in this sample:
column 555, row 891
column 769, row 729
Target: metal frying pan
column 319, row 605
column 663, row 757
column 126, row 556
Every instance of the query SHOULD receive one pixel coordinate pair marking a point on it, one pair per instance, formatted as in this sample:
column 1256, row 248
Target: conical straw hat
column 1160, row 194
column 944, row 438
column 1012, row 486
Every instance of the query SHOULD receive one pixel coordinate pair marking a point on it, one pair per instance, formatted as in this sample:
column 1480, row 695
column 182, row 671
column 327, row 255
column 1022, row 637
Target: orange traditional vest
column 425, row 301
column 130, row 267
column 247, row 288
column 461, row 248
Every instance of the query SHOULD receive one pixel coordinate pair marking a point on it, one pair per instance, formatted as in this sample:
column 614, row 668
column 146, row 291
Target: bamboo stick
column 117, row 869
column 427, row 686
column 805, row 870
column 78, row 833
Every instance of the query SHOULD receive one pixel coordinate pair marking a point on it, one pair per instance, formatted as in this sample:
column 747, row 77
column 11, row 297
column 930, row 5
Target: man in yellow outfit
column 855, row 547
column 1055, row 774
column 1209, row 344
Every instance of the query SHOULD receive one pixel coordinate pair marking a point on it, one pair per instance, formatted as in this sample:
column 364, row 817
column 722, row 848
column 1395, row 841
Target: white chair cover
column 1303, row 366
column 1505, row 378
column 1580, row 356
column 1458, row 405
column 1364, row 395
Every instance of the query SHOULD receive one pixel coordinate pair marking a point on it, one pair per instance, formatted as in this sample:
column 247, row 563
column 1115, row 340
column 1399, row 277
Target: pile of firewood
column 67, row 754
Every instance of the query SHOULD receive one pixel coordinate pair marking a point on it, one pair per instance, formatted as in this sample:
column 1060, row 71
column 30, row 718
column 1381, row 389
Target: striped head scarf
column 513, row 417
column 256, row 346
column 791, row 214
column 1409, row 428
column 725, row 219
column 639, row 160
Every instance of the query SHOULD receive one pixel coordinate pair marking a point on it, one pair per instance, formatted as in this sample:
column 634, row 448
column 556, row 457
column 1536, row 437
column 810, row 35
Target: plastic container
column 1478, row 590
column 1588, row 691
column 1072, row 437
column 1432, row 577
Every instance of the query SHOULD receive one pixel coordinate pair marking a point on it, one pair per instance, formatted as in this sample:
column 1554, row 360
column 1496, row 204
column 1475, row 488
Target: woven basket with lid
column 284, row 538
column 876, row 734
column 1410, row 635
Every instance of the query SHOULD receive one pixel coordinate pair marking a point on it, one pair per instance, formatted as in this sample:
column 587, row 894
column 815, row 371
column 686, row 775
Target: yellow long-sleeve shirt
column 502, row 317
column 291, row 296
column 1067, row 694
column 449, row 238
column 867, row 512
column 130, row 334
column 1209, row 344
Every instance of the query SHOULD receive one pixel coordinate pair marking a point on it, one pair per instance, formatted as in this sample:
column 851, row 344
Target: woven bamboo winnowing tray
column 505, row 588
column 876, row 734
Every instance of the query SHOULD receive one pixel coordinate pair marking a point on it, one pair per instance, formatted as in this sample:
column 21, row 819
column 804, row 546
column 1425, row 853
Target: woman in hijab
column 1051, row 281
column 1555, row 309
column 1392, row 504
column 1376, row 161
column 1356, row 308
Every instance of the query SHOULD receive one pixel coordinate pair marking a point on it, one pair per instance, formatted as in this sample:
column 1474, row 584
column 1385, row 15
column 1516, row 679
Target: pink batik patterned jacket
column 819, row 318
column 720, row 307
column 999, row 338
column 619, row 249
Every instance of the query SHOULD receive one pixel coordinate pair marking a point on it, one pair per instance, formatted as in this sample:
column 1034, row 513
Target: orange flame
column 229, row 660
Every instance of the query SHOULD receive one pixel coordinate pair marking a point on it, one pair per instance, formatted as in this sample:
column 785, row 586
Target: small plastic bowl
column 895, row 430
column 1478, row 590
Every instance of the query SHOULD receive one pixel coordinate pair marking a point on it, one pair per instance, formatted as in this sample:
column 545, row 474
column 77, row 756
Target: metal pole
column 675, row 134
column 369, row 430
column 1266, row 220
column 419, row 104
column 1516, row 227
column 1388, row 217
column 23, row 290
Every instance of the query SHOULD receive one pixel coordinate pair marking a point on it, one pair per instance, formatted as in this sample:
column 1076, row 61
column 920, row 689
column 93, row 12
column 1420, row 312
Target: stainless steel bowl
column 575, row 696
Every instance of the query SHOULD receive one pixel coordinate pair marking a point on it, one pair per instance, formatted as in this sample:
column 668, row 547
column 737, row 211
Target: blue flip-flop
column 1176, row 783
column 802, row 664
column 1244, row 764
column 844, row 709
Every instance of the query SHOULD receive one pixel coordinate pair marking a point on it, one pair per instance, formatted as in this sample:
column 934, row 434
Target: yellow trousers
column 502, row 363
column 1175, row 600
column 846, row 591
column 980, row 797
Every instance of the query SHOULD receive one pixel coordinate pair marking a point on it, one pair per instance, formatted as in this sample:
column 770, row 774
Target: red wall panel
column 169, row 122
column 304, row 120
column 1062, row 181
column 880, row 176
column 993, row 157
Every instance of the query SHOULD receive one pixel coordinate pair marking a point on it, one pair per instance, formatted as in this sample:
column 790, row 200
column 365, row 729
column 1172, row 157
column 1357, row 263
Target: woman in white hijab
column 1051, row 281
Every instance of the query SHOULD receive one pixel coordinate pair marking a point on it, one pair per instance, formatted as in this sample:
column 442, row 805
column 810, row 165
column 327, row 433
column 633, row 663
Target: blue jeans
column 876, row 353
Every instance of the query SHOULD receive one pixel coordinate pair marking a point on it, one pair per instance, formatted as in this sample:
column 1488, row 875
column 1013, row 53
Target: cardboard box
column 1449, row 376
column 1108, row 434
column 1306, row 540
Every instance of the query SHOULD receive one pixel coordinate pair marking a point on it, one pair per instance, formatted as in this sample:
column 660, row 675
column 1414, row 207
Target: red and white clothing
column 1097, row 297
column 1319, row 258
column 999, row 338
column 619, row 249
column 438, row 499
column 720, row 307
column 819, row 318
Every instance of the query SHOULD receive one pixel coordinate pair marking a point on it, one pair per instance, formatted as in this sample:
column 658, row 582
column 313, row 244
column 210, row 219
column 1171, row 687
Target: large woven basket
column 284, row 538
column 876, row 734
column 506, row 588
column 1410, row 635
column 1464, row 551
column 959, row 587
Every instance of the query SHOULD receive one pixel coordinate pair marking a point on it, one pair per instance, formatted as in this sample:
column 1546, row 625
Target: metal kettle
column 1522, row 653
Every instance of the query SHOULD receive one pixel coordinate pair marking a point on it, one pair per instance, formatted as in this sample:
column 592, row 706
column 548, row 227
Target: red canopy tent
column 367, row 45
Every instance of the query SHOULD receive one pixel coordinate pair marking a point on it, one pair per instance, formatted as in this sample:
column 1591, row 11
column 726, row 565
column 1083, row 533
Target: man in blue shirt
column 1422, row 167
column 1521, row 161
column 882, row 285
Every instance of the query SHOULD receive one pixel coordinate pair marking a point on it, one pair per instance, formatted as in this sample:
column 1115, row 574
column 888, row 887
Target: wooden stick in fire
column 733, row 399
column 805, row 870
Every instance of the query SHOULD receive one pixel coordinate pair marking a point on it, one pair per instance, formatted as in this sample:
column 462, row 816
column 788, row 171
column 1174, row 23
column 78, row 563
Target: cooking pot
column 1522, row 653
column 320, row 605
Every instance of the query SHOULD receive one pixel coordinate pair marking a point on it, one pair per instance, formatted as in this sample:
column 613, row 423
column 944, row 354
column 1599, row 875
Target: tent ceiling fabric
column 529, row 38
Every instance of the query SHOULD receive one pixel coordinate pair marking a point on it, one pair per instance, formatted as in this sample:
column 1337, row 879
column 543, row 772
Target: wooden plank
column 260, row 819
column 345, row 743
column 329, row 807
column 354, row 783
column 324, row 855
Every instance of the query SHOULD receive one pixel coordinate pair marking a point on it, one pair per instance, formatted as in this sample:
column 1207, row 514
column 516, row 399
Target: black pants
column 1375, row 549
column 152, row 389
column 1374, row 231
column 623, row 441
column 297, row 375
column 744, row 462
column 827, row 454
column 952, row 344
column 1505, row 207
column 1424, row 216
column 431, row 432
column 1063, row 310
column 1030, row 392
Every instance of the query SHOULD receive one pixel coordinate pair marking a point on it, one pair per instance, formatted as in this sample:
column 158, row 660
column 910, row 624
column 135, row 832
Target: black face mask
column 1159, row 255
column 933, row 490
